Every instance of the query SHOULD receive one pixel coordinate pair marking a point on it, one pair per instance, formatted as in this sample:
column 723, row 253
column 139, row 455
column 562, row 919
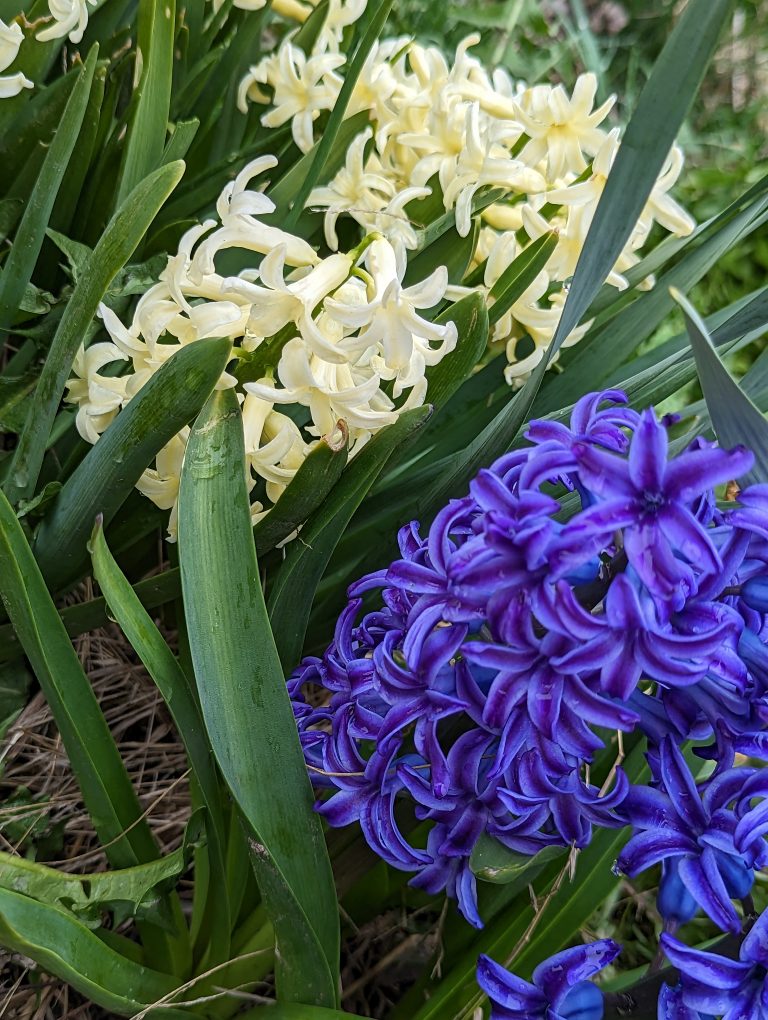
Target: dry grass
column 34, row 760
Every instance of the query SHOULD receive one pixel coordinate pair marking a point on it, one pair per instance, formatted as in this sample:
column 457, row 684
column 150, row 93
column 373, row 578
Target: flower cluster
column 509, row 641
column 344, row 333
column 11, row 38
column 452, row 129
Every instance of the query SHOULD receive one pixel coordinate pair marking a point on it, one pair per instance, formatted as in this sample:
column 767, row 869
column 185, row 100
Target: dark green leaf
column 294, row 588
column 123, row 233
column 109, row 471
column 735, row 418
column 28, row 240
column 306, row 491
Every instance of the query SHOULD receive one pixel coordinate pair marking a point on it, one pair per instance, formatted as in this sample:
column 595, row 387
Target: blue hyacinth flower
column 560, row 988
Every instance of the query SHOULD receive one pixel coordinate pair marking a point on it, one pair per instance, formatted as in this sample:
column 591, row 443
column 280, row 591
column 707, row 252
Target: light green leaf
column 246, row 706
column 65, row 947
column 491, row 861
column 129, row 892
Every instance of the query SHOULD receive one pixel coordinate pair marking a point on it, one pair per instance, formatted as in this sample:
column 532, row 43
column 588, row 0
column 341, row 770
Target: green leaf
column 294, row 588
column 14, row 393
column 84, row 616
column 246, row 706
column 471, row 318
column 79, row 167
column 735, row 418
column 288, row 1012
column 130, row 892
column 308, row 34
column 520, row 274
column 491, row 861
column 148, row 120
column 601, row 353
column 121, row 237
column 29, row 237
column 14, row 685
column 306, row 491
column 163, row 667
column 66, row 948
column 451, row 250
column 107, row 474
column 108, row 794
column 661, row 109
column 328, row 141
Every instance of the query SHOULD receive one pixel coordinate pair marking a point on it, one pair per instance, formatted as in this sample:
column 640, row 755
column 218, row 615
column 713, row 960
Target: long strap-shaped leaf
column 163, row 667
column 650, row 134
column 295, row 586
column 152, row 98
column 106, row 476
column 326, row 144
column 95, row 760
column 735, row 418
column 62, row 945
column 121, row 237
column 17, row 271
column 246, row 706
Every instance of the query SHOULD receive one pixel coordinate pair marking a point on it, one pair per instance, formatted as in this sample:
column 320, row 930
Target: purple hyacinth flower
column 712, row 984
column 591, row 422
column 560, row 988
column 696, row 833
column 672, row 1007
column 649, row 499
column 628, row 641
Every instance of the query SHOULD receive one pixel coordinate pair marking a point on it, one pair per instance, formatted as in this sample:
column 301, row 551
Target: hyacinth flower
column 472, row 682
column 560, row 990
column 646, row 496
column 707, row 838
column 713, row 985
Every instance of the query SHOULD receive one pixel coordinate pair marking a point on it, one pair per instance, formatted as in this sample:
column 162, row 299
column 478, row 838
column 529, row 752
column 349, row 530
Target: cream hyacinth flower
column 238, row 209
column 331, row 392
column 276, row 303
column 353, row 189
column 333, row 369
column 303, row 86
column 389, row 317
column 560, row 129
column 98, row 397
column 70, row 18
column 11, row 38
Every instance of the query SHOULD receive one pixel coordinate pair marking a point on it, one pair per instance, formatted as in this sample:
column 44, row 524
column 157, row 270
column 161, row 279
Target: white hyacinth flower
column 11, row 38
column 390, row 317
column 98, row 396
column 70, row 18
column 303, row 86
column 560, row 129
